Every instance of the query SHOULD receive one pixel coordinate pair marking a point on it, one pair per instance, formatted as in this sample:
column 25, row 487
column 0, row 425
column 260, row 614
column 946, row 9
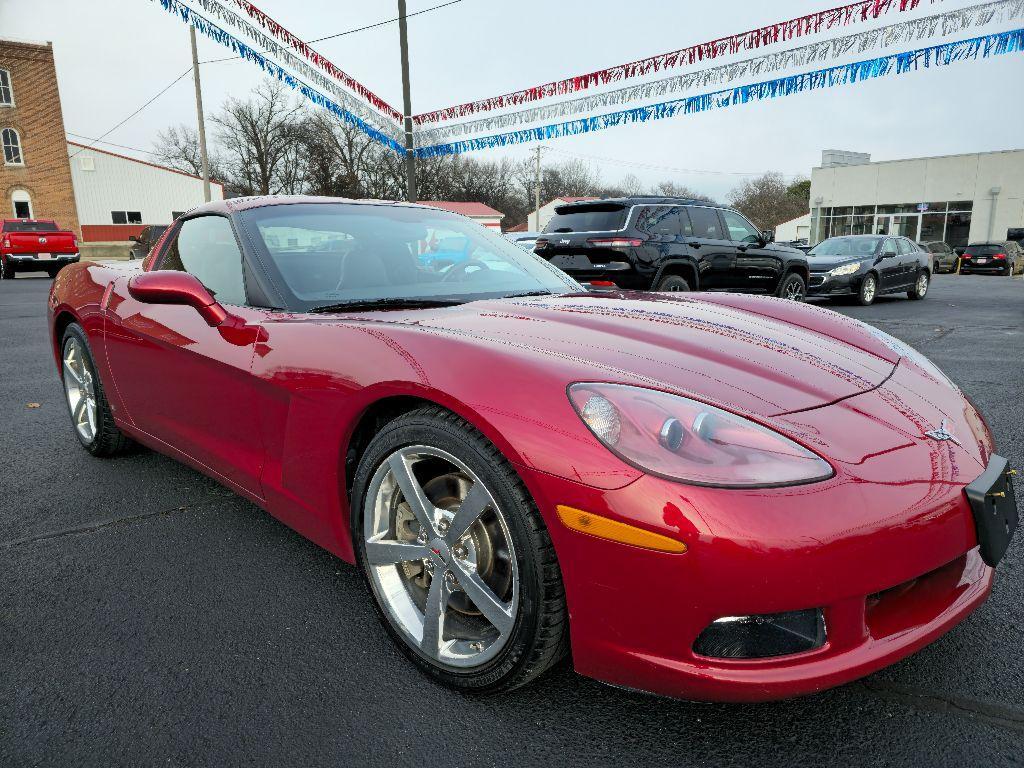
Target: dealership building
column 958, row 199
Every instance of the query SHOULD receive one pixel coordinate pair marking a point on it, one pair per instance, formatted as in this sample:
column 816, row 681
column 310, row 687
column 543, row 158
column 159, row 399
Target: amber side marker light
column 613, row 530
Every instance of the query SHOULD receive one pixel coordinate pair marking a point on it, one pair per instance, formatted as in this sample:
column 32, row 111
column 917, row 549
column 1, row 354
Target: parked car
column 35, row 245
column 1001, row 258
column 943, row 258
column 866, row 266
column 739, row 498
column 145, row 240
column 525, row 240
column 670, row 244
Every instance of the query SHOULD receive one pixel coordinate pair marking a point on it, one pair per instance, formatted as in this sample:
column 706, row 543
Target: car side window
column 905, row 246
column 889, row 248
column 706, row 223
column 740, row 229
column 663, row 221
column 206, row 247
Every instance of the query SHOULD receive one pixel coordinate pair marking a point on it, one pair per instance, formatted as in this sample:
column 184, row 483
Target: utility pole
column 536, row 189
column 199, row 116
column 410, row 161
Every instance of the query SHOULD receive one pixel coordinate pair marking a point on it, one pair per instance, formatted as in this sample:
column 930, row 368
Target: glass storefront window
column 933, row 227
column 935, row 208
column 961, row 205
column 862, row 225
column 958, row 227
column 864, row 210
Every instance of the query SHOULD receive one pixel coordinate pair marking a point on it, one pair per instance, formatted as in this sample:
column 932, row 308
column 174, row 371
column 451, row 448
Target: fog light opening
column 762, row 636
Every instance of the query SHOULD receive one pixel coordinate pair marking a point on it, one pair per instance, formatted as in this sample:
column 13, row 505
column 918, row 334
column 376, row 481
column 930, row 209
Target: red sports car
column 709, row 496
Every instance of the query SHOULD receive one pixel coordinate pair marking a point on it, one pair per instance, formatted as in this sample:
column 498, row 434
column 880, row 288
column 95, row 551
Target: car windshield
column 336, row 254
column 846, row 246
column 30, row 226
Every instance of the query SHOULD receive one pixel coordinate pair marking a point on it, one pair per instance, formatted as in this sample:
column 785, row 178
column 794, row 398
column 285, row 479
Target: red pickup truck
column 35, row 245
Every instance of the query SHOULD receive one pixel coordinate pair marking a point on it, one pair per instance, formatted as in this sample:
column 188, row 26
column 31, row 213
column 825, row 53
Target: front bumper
column 822, row 284
column 887, row 549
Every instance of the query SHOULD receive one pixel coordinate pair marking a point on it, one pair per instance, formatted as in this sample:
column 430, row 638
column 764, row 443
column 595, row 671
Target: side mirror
column 768, row 236
column 171, row 287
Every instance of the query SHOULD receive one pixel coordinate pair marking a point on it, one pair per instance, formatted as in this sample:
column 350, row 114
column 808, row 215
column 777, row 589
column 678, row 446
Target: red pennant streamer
column 810, row 24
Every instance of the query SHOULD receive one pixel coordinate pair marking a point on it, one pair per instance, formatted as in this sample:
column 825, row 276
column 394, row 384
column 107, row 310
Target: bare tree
column 178, row 148
column 260, row 140
column 768, row 200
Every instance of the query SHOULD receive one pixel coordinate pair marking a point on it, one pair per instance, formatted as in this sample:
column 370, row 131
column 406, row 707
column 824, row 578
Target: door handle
column 742, row 247
column 693, row 243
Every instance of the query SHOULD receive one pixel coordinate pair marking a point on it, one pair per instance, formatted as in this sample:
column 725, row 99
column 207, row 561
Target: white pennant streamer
column 816, row 53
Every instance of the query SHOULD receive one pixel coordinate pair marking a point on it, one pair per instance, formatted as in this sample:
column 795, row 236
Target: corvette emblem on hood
column 942, row 434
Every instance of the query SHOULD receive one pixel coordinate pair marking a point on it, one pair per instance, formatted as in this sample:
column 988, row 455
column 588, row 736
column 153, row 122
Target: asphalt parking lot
column 150, row 617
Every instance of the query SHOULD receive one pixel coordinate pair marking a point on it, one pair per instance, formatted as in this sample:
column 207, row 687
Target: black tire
column 108, row 440
column 673, row 284
column 6, row 272
column 793, row 288
column 919, row 291
column 868, row 290
column 539, row 638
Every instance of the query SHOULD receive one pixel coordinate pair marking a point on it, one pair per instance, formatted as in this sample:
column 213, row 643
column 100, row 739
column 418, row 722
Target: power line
column 348, row 31
column 111, row 143
column 133, row 114
column 656, row 167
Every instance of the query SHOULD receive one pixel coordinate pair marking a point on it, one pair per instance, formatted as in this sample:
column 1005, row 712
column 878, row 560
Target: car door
column 758, row 267
column 910, row 261
column 180, row 380
column 715, row 254
column 889, row 266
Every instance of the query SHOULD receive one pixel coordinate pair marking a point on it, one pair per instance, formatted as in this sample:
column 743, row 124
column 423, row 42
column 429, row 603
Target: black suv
column 670, row 244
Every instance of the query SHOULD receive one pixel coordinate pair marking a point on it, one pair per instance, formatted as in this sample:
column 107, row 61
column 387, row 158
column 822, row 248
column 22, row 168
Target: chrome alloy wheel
column 80, row 389
column 922, row 285
column 440, row 557
column 869, row 289
column 794, row 291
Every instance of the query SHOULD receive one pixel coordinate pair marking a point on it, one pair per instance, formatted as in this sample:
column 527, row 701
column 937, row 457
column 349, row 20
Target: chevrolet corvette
column 708, row 496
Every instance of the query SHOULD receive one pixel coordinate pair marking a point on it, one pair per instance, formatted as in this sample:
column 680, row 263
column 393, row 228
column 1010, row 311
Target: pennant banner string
column 811, row 24
column 820, row 52
column 383, row 123
column 893, row 64
column 324, row 63
column 206, row 27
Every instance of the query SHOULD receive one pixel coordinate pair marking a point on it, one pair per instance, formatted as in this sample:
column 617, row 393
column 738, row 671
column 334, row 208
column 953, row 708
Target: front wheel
column 91, row 416
column 457, row 558
column 920, row 289
column 793, row 288
column 868, row 290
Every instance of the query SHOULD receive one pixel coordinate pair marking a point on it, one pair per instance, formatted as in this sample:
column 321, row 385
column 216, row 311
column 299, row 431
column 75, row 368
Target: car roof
column 237, row 204
column 637, row 200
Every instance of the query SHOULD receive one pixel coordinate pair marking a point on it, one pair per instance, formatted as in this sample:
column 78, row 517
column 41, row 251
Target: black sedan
column 866, row 266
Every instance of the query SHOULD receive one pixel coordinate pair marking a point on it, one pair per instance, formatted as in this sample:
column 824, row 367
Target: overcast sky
column 113, row 55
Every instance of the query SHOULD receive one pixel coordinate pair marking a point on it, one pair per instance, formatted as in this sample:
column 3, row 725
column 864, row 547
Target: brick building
column 35, row 177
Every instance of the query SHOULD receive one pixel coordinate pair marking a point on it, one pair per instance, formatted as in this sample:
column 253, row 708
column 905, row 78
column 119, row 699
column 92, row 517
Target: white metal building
column 958, row 199
column 116, row 196
column 539, row 218
column 794, row 229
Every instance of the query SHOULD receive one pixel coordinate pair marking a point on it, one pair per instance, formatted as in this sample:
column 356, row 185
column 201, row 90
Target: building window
column 21, row 203
column 948, row 222
column 6, row 92
column 126, row 217
column 12, row 146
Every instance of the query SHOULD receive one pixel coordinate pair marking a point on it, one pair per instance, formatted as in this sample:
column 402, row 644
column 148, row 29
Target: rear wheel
column 793, row 288
column 868, row 290
column 90, row 412
column 456, row 555
column 920, row 289
column 673, row 284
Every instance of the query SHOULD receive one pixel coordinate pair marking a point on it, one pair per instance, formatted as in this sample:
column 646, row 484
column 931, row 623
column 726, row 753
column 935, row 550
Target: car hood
column 825, row 263
column 766, row 357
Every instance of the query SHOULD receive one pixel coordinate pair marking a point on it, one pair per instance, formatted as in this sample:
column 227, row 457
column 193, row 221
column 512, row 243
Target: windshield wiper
column 524, row 294
column 382, row 304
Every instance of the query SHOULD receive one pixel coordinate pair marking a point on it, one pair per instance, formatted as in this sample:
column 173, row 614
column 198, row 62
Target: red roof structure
column 466, row 209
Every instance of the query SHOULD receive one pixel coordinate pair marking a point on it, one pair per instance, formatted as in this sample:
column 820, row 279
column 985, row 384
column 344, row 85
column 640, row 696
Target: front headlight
column 846, row 269
column 686, row 440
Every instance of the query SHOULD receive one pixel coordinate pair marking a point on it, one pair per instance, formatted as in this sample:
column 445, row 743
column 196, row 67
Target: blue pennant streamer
column 892, row 64
column 215, row 33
